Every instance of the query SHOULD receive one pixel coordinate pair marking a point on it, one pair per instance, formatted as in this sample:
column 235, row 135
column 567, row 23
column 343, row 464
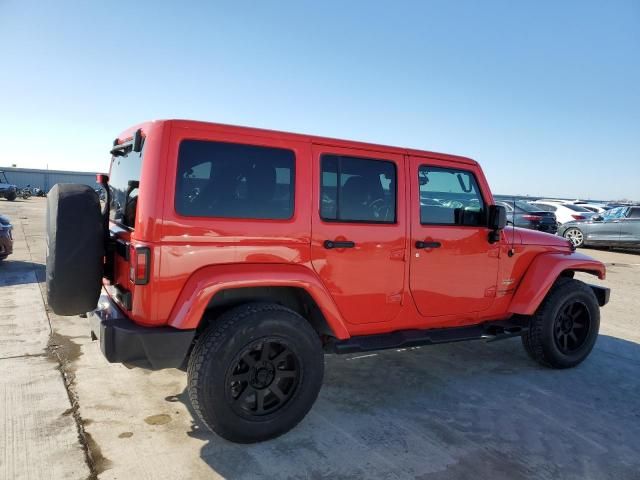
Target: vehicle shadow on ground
column 19, row 272
column 468, row 410
column 18, row 200
column 631, row 251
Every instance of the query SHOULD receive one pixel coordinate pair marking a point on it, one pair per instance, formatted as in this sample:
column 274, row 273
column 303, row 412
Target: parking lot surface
column 458, row 411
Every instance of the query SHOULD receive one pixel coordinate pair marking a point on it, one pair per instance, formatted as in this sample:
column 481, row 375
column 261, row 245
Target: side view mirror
column 598, row 218
column 497, row 217
column 497, row 220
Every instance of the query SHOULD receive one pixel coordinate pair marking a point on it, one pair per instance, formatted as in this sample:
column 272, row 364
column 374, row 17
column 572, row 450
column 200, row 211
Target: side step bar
column 413, row 338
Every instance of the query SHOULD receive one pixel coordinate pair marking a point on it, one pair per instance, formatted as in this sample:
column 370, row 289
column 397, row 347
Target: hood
column 534, row 237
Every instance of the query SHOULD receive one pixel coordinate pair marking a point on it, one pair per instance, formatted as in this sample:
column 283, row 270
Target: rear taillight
column 579, row 217
column 532, row 218
column 139, row 264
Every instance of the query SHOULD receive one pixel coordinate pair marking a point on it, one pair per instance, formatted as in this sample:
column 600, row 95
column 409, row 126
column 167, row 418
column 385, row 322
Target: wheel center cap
column 262, row 375
column 567, row 325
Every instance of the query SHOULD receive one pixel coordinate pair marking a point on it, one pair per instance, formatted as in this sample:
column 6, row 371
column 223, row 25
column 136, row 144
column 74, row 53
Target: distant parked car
column 6, row 237
column 527, row 216
column 7, row 190
column 565, row 212
column 618, row 227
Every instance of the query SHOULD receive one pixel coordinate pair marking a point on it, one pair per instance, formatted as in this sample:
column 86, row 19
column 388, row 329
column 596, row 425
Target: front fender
column 206, row 282
column 543, row 272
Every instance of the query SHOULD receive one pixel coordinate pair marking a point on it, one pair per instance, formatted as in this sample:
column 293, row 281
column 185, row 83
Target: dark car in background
column 524, row 215
column 7, row 190
column 6, row 237
column 618, row 227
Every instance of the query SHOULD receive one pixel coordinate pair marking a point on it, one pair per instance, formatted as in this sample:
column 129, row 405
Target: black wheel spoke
column 571, row 328
column 281, row 356
column 266, row 351
column 240, row 377
column 249, row 360
column 264, row 378
column 275, row 389
column 576, row 311
column 286, row 374
column 260, row 394
column 245, row 394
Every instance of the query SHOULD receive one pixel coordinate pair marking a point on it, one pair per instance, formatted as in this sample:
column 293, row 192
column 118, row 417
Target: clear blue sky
column 545, row 94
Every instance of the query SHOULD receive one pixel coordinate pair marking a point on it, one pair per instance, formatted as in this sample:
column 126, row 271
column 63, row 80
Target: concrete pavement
column 38, row 434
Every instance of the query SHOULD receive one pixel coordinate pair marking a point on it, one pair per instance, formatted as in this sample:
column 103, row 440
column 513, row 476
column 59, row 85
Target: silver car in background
column 618, row 227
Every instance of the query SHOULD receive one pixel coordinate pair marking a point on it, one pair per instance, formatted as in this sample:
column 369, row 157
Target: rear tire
column 255, row 372
column 75, row 249
column 565, row 327
column 11, row 197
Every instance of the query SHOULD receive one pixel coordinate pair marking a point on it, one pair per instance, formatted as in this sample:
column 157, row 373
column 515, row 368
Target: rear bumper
column 123, row 341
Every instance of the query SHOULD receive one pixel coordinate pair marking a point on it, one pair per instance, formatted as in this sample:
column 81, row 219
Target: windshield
column 617, row 212
column 123, row 184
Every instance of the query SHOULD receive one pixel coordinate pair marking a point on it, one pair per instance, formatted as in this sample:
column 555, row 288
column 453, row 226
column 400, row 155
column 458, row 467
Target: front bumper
column 123, row 341
column 601, row 293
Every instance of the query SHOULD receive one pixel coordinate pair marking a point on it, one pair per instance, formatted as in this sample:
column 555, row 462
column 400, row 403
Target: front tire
column 11, row 197
column 255, row 372
column 575, row 236
column 565, row 327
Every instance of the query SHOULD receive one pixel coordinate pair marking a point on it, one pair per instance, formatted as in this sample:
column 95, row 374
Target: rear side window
column 527, row 207
column 544, row 207
column 634, row 213
column 357, row 190
column 449, row 197
column 124, row 179
column 229, row 180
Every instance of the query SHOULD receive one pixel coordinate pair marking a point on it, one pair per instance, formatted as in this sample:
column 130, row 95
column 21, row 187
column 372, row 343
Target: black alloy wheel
column 572, row 327
column 263, row 379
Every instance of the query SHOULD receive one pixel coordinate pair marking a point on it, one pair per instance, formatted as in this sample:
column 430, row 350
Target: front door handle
column 329, row 244
column 420, row 244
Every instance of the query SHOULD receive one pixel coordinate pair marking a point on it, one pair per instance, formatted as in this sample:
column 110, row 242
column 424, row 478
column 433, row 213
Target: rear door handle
column 329, row 244
column 420, row 244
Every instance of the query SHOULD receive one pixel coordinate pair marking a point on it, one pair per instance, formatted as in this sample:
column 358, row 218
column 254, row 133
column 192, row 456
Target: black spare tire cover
column 75, row 249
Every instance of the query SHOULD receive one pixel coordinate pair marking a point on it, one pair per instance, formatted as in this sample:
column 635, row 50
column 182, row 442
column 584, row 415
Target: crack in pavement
column 57, row 354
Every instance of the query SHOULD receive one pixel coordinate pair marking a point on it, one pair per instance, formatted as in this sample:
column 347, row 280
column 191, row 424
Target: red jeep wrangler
column 248, row 254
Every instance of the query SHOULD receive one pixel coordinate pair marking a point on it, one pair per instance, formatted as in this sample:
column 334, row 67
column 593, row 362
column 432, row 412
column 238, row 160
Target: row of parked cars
column 583, row 223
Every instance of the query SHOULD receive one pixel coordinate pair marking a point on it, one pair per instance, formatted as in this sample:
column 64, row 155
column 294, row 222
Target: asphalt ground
column 459, row 411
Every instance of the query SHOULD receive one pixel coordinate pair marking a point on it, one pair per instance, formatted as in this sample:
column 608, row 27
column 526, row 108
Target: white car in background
column 593, row 207
column 565, row 212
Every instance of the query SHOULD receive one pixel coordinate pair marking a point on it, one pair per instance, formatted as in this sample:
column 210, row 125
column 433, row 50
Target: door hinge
column 394, row 298
column 397, row 254
column 490, row 292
